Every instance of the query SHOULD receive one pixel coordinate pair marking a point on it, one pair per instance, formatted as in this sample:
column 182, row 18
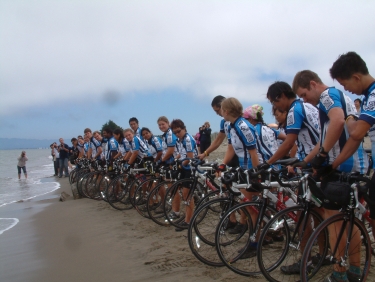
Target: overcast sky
column 68, row 65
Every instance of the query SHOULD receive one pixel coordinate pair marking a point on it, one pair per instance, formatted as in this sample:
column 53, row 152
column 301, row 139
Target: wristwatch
column 322, row 152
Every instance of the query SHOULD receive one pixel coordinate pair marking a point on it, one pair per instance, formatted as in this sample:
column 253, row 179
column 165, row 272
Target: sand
column 87, row 240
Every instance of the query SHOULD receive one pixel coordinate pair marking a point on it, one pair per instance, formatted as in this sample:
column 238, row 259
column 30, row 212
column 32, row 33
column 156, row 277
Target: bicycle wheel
column 141, row 195
column 118, row 192
column 155, row 207
column 72, row 176
column 358, row 252
column 202, row 229
column 280, row 259
column 91, row 188
column 82, row 177
column 237, row 251
column 174, row 202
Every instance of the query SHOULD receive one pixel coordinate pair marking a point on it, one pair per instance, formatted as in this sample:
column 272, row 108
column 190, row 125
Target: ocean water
column 12, row 190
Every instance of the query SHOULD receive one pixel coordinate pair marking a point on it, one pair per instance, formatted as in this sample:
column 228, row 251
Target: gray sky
column 52, row 51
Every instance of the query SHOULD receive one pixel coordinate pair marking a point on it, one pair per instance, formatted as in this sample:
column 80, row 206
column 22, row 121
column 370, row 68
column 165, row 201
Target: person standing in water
column 22, row 164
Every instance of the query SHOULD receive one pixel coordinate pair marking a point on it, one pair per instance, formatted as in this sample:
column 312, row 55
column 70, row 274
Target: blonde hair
column 232, row 106
column 163, row 118
column 128, row 129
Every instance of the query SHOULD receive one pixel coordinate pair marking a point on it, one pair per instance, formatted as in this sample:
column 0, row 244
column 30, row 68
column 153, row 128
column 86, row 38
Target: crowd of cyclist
column 317, row 124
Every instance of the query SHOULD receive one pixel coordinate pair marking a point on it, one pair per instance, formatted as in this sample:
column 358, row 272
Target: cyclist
column 103, row 142
column 242, row 141
column 170, row 151
column 134, row 124
column 154, row 143
column 266, row 136
column 334, row 109
column 280, row 117
column 302, row 123
column 216, row 106
column 187, row 149
column 124, row 145
column 95, row 149
column 112, row 146
column 138, row 148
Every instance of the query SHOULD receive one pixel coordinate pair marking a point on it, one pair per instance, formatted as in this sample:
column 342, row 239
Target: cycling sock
column 355, row 270
column 177, row 213
column 254, row 245
column 340, row 276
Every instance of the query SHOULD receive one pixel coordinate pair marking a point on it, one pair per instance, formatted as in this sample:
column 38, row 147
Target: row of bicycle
column 279, row 233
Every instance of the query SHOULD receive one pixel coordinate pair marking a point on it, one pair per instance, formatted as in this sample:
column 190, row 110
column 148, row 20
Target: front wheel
column 333, row 258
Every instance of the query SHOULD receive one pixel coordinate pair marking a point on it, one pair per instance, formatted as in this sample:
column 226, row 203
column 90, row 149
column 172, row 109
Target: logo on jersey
column 326, row 100
column 246, row 131
column 370, row 104
column 290, row 118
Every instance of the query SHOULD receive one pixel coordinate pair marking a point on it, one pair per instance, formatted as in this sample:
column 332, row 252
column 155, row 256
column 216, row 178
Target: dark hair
column 108, row 130
column 79, row 137
column 177, row 123
column 280, row 87
column 347, row 65
column 87, row 130
column 73, row 139
column 359, row 100
column 119, row 131
column 145, row 129
column 217, row 101
column 302, row 79
column 276, row 109
column 133, row 119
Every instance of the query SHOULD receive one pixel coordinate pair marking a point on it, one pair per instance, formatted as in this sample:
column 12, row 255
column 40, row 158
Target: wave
column 7, row 223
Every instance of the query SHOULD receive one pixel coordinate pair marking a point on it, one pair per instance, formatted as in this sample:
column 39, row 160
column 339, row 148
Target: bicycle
column 351, row 244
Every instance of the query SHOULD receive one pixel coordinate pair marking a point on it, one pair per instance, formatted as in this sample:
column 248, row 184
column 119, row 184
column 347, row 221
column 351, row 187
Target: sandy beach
column 87, row 240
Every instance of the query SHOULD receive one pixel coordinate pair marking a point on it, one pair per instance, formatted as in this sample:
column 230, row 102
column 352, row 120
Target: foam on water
column 12, row 190
column 7, row 223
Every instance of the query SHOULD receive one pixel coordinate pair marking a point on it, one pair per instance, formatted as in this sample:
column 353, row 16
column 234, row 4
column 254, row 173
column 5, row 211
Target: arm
column 293, row 151
column 99, row 151
column 254, row 157
column 335, row 127
column 281, row 136
column 284, row 148
column 214, row 145
column 158, row 156
column 353, row 142
column 168, row 154
column 133, row 157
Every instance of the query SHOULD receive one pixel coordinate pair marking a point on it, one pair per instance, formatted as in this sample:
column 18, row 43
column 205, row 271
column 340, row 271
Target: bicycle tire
column 271, row 257
column 156, row 210
column 316, row 271
column 202, row 230
column 141, row 195
column 118, row 193
column 231, row 247
column 174, row 193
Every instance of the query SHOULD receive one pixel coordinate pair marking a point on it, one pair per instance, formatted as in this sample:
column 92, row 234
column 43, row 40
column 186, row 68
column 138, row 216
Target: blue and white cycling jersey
column 138, row 145
column 334, row 98
column 137, row 133
column 187, row 145
column 81, row 148
column 169, row 140
column 303, row 120
column 266, row 142
column 111, row 146
column 103, row 143
column 86, row 147
column 224, row 126
column 242, row 137
column 154, row 145
column 94, row 145
column 368, row 110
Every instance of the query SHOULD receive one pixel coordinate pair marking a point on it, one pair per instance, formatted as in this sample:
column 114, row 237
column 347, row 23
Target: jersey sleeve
column 158, row 144
column 294, row 119
column 330, row 99
column 189, row 144
column 113, row 144
column 368, row 109
column 222, row 122
column 247, row 135
column 171, row 139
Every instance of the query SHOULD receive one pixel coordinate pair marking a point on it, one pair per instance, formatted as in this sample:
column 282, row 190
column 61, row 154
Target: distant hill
column 18, row 143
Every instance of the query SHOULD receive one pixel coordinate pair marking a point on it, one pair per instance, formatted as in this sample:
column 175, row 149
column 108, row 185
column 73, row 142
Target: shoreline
column 87, row 240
